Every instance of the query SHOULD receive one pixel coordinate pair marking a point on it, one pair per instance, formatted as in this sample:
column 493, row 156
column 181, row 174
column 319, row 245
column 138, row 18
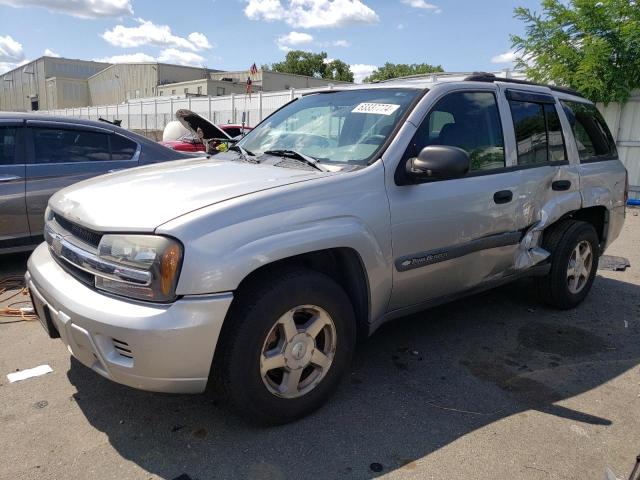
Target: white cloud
column 421, row 4
column 168, row 55
column 148, row 33
column 10, row 50
column 127, row 58
column 78, row 8
column 293, row 39
column 311, row 13
column 199, row 40
column 361, row 71
column 11, row 54
column 506, row 57
column 340, row 43
column 173, row 55
column 50, row 53
column 400, row 26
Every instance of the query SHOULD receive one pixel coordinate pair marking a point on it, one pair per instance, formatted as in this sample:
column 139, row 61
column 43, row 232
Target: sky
column 233, row 34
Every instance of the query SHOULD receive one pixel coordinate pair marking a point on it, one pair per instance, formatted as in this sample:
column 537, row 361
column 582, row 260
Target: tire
column 559, row 288
column 255, row 329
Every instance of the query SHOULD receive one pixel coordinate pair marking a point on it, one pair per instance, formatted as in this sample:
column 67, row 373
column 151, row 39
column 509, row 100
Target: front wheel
column 575, row 250
column 289, row 340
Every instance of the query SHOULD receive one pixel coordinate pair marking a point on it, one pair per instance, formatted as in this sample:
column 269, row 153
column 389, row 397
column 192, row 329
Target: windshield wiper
column 297, row 156
column 244, row 153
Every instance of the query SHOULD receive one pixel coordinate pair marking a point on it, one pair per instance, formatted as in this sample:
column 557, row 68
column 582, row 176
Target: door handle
column 561, row 185
column 503, row 196
column 9, row 178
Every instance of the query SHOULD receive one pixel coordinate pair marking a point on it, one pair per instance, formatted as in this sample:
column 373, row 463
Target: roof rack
column 490, row 77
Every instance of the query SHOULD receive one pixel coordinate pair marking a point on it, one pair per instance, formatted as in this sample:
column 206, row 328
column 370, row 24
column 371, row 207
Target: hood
column 192, row 121
column 141, row 199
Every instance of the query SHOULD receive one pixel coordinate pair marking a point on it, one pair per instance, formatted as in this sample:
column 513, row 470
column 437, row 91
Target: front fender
column 226, row 243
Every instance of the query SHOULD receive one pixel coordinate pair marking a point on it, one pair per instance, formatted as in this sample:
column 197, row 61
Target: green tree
column 395, row 70
column 593, row 47
column 311, row 64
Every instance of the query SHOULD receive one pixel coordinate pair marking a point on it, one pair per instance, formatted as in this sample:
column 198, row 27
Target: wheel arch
column 343, row 264
column 597, row 216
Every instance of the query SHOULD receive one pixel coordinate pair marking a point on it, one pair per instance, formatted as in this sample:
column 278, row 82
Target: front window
column 339, row 127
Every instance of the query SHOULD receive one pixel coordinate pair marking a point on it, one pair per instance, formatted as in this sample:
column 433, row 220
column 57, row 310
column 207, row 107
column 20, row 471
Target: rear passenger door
column 549, row 181
column 14, row 228
column 62, row 154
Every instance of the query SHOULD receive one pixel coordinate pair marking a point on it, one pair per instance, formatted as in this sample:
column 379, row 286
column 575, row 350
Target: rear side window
column 122, row 148
column 69, row 146
column 593, row 138
column 8, row 145
column 538, row 132
column 468, row 120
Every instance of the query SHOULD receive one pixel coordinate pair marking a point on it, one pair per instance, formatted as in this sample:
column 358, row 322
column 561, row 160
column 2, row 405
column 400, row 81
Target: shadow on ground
column 418, row 384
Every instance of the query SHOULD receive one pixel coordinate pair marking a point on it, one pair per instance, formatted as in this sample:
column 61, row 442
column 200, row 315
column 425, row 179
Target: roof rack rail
column 490, row 77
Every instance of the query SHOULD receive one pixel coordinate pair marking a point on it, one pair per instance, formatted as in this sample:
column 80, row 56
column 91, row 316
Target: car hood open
column 192, row 121
column 141, row 199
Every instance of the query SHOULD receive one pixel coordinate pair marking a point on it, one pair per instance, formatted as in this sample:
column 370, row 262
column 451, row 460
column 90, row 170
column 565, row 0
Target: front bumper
column 162, row 348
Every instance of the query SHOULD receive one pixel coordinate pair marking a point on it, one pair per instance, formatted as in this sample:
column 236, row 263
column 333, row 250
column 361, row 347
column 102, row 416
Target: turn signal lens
column 169, row 268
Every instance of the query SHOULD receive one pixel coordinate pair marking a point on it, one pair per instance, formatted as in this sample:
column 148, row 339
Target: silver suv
column 256, row 270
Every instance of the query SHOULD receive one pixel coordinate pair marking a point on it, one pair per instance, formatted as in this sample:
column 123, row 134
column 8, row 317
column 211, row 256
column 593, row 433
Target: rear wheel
column 289, row 339
column 575, row 250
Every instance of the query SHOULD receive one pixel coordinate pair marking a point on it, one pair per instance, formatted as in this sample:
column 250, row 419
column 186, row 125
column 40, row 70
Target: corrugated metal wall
column 624, row 122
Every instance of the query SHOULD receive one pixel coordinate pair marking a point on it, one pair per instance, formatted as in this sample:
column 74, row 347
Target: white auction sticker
column 376, row 108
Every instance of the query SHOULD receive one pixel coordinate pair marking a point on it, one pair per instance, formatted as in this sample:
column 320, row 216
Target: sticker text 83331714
column 376, row 108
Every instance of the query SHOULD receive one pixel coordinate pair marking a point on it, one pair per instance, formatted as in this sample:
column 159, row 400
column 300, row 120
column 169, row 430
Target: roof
column 428, row 81
column 72, row 121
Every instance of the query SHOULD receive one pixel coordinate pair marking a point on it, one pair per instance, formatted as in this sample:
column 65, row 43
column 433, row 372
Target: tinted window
column 122, row 148
column 593, row 139
column 531, row 133
column 60, row 146
column 556, row 139
column 8, row 141
column 468, row 120
column 538, row 132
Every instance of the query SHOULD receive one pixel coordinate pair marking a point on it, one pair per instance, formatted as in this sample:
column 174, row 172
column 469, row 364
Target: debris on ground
column 21, row 308
column 615, row 264
column 29, row 373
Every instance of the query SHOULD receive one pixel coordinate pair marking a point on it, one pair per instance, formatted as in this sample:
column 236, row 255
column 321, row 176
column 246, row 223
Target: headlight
column 150, row 266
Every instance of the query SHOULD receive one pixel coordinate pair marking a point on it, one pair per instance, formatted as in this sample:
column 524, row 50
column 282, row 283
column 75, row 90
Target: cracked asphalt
column 494, row 386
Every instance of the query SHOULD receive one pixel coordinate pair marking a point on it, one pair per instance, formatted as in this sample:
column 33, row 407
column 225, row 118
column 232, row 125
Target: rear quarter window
column 593, row 138
column 122, row 148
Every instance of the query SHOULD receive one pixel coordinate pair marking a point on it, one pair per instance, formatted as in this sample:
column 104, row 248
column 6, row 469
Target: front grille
column 85, row 277
column 87, row 236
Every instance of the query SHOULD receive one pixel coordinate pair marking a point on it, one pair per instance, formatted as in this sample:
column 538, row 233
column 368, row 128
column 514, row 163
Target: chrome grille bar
column 92, row 263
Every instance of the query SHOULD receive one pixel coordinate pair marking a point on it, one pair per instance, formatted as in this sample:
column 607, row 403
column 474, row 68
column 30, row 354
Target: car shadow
column 417, row 385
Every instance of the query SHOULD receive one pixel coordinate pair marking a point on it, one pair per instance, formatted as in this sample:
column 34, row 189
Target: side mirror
column 438, row 162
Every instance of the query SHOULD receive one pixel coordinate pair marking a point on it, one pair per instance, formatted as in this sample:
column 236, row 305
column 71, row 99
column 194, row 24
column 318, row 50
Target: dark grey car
column 40, row 155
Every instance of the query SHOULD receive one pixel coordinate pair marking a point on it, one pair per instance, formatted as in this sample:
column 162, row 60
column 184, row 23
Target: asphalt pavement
column 494, row 386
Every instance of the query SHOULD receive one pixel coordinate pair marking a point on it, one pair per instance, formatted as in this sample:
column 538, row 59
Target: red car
column 190, row 142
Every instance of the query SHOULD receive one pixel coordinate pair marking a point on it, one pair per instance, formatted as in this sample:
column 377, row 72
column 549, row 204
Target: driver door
column 451, row 235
